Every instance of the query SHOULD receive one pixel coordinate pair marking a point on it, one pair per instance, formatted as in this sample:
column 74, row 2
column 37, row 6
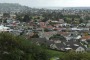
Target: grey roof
column 74, row 44
column 42, row 41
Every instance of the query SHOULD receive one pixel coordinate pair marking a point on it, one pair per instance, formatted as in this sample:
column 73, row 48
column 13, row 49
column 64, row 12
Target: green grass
column 88, row 45
column 54, row 53
column 52, row 59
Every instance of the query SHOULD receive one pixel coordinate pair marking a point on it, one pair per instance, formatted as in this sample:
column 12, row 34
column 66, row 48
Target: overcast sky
column 50, row 3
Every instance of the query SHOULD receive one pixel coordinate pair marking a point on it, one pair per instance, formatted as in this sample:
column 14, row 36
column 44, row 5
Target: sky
column 50, row 3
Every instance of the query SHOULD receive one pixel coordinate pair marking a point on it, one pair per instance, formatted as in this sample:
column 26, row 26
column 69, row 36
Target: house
column 88, row 25
column 3, row 28
column 86, row 29
column 38, row 40
column 53, row 46
column 42, row 24
column 54, row 21
column 9, row 21
column 64, row 33
column 50, row 27
column 76, row 29
column 71, row 35
column 61, row 21
column 88, row 49
column 80, row 49
column 56, row 40
column 41, row 41
column 85, row 37
column 13, row 16
column 66, row 45
column 65, row 24
column 47, row 35
column 1, row 15
column 60, row 45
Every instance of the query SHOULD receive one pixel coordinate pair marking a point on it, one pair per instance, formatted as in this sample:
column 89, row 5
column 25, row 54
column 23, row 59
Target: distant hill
column 15, row 7
column 84, row 8
column 60, row 8
column 12, row 7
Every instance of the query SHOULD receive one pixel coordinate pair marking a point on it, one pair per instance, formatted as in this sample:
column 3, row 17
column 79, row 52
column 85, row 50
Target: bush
column 18, row 48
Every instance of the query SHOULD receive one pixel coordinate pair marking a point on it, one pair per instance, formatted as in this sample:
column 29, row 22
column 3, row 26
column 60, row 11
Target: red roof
column 85, row 37
column 64, row 33
column 42, row 24
column 49, row 26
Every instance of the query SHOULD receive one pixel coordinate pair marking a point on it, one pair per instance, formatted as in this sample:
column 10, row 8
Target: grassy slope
column 55, row 54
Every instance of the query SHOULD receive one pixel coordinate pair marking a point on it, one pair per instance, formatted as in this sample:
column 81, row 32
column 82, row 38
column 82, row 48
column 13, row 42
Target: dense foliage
column 75, row 56
column 18, row 48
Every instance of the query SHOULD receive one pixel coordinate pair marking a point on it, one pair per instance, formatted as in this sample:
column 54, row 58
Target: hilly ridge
column 12, row 7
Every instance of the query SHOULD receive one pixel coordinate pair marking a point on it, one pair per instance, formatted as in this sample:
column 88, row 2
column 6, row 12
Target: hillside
column 12, row 7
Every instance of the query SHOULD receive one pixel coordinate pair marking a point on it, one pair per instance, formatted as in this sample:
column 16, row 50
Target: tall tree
column 26, row 18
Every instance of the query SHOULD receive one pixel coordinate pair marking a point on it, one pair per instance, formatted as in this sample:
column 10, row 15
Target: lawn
column 55, row 54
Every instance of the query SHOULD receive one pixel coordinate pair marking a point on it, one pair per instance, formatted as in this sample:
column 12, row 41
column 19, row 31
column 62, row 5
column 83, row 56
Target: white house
column 3, row 28
column 80, row 49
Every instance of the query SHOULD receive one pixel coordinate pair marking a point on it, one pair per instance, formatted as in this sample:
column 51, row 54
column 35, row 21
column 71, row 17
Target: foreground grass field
column 55, row 55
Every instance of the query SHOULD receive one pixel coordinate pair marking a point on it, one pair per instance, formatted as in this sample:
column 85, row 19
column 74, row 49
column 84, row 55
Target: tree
column 75, row 56
column 46, row 30
column 19, row 18
column 26, row 18
column 6, row 15
column 18, row 48
column 45, row 19
column 35, row 36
